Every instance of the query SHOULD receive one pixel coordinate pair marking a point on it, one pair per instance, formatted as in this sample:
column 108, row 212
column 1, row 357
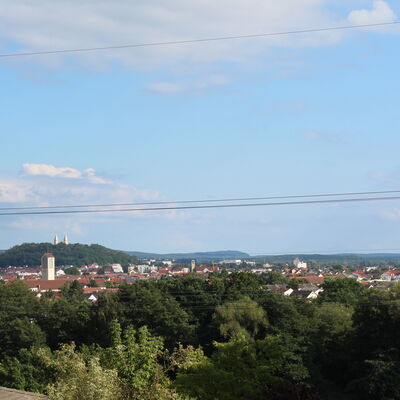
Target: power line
column 179, row 42
column 201, row 201
column 205, row 206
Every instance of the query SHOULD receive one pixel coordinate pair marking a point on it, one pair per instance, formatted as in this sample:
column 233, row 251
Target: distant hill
column 72, row 254
column 313, row 259
column 332, row 259
column 199, row 256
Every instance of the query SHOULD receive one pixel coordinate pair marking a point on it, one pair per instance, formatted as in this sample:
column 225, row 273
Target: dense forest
column 217, row 338
column 72, row 254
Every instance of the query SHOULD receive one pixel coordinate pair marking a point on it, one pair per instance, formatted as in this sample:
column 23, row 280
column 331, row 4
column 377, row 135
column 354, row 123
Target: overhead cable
column 200, row 201
column 352, row 200
column 188, row 41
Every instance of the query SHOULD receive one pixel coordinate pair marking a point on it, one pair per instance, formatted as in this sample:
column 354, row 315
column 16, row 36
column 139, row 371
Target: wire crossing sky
column 188, row 41
column 282, row 203
column 203, row 201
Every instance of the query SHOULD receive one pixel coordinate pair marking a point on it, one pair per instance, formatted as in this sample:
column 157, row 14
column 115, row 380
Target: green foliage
column 144, row 304
column 72, row 254
column 65, row 320
column 342, row 290
column 18, row 319
column 331, row 349
column 344, row 345
column 239, row 370
column 27, row 370
column 72, row 290
column 77, row 379
column 134, row 355
column 72, row 271
column 93, row 283
column 241, row 319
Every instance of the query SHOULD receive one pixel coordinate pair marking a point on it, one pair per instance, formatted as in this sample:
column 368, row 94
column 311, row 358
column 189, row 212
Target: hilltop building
column 56, row 241
column 299, row 264
column 48, row 267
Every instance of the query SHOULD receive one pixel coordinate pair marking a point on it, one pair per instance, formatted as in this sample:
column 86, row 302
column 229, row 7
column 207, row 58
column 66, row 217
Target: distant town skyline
column 300, row 114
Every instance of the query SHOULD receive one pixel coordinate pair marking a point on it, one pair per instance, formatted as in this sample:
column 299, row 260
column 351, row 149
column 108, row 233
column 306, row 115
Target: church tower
column 55, row 240
column 66, row 241
column 48, row 267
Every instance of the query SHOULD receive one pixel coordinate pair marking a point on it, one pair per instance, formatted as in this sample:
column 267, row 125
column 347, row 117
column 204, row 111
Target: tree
column 242, row 369
column 66, row 319
column 241, row 319
column 27, row 370
column 20, row 333
column 341, row 290
column 331, row 348
column 77, row 379
column 93, row 283
column 19, row 312
column 143, row 303
column 198, row 297
column 134, row 355
column 72, row 271
column 72, row 290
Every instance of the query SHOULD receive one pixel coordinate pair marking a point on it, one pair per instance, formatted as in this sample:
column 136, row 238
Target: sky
column 285, row 115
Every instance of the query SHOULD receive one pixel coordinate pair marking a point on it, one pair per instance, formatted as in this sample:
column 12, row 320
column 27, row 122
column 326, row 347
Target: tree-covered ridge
column 71, row 254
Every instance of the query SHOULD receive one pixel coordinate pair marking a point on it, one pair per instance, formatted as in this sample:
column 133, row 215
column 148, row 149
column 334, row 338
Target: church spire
column 55, row 240
column 66, row 241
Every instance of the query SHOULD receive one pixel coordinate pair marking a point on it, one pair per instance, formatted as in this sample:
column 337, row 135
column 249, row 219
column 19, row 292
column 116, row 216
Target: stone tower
column 55, row 240
column 48, row 267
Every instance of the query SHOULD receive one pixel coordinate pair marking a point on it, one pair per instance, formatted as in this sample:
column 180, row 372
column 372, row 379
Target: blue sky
column 310, row 113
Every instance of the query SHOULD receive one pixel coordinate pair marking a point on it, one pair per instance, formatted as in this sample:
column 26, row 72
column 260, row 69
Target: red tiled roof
column 47, row 285
column 316, row 280
column 95, row 290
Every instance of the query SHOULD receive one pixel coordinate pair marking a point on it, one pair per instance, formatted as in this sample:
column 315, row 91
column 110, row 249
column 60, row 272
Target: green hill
column 72, row 254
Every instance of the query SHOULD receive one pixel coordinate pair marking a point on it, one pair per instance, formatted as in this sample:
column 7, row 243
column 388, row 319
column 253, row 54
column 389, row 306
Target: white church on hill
column 56, row 241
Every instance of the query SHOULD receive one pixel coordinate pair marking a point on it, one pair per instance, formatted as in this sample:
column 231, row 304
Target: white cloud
column 62, row 172
column 46, row 185
column 165, row 88
column 380, row 12
column 50, row 170
column 193, row 86
column 391, row 215
column 12, row 192
column 63, row 24
column 325, row 136
column 90, row 173
column 47, row 224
